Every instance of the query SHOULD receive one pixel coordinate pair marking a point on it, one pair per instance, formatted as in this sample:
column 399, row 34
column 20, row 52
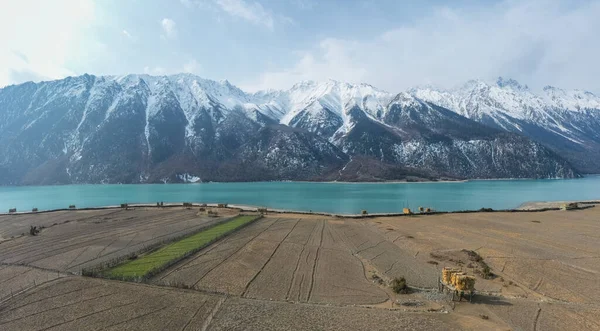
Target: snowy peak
column 574, row 100
column 511, row 83
column 333, row 101
column 405, row 100
column 141, row 128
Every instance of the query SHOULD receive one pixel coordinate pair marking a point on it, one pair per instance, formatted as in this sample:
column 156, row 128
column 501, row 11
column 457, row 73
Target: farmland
column 177, row 250
column 299, row 260
column 293, row 271
column 76, row 303
column 74, row 240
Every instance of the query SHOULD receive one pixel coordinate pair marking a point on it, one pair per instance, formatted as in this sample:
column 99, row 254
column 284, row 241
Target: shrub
column 399, row 285
column 33, row 230
column 486, row 271
column 473, row 256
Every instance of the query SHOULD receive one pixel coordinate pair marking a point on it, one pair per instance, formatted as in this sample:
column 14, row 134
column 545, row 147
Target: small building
column 569, row 206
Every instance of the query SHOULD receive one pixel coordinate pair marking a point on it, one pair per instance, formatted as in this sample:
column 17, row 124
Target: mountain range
column 181, row 128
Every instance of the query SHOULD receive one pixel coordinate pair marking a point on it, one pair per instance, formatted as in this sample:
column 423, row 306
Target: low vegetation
column 398, row 285
column 484, row 269
column 152, row 263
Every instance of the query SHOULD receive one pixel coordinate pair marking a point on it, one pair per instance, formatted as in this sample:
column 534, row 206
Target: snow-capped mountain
column 141, row 128
column 567, row 122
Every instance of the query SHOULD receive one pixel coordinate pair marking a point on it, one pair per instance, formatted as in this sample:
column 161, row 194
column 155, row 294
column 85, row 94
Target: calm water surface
column 325, row 197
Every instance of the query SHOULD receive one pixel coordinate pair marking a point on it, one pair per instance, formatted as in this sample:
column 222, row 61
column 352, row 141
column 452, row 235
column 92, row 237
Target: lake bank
column 332, row 198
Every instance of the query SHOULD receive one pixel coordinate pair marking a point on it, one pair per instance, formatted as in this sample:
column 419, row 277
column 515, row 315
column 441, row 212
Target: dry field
column 16, row 279
column 301, row 260
column 291, row 271
column 74, row 240
column 77, row 303
column 547, row 263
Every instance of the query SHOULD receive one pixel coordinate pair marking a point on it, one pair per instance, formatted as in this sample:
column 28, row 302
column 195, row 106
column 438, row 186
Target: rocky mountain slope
column 140, row 128
column 567, row 122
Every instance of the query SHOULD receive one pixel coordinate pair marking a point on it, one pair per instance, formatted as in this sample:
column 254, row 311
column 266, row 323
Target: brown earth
column 287, row 259
column 77, row 303
column 292, row 271
column 74, row 240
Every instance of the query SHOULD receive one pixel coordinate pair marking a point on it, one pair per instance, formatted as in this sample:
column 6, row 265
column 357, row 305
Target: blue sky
column 259, row 44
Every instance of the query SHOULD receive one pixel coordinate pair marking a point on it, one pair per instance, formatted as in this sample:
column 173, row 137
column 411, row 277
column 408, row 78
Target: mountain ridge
column 142, row 128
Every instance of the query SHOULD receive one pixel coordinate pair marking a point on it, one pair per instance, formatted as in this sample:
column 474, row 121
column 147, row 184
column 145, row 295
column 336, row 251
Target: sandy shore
column 537, row 205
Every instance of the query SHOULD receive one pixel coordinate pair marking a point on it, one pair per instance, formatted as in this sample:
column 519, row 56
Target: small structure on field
column 187, row 205
column 407, row 211
column 364, row 212
column 222, row 205
column 12, row 210
column 569, row 206
column 34, row 210
column 124, row 205
column 457, row 282
column 72, row 207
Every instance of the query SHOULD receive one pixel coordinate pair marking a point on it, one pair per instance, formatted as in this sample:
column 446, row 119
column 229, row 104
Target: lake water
column 324, row 197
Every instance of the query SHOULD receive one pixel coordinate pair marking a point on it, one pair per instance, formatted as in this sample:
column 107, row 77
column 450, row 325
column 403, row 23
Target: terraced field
column 177, row 250
column 83, row 239
column 300, row 260
column 77, row 303
column 308, row 272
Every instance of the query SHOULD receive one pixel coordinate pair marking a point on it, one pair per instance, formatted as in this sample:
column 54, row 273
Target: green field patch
column 149, row 264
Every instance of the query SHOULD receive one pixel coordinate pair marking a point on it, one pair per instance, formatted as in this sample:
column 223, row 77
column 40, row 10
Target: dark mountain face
column 581, row 147
column 566, row 122
column 437, row 141
column 324, row 123
column 138, row 129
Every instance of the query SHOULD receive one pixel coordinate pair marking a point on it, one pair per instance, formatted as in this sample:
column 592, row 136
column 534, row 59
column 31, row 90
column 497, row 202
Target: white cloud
column 169, row 28
column 538, row 42
column 304, row 4
column 40, row 38
column 192, row 67
column 158, row 71
column 187, row 3
column 252, row 12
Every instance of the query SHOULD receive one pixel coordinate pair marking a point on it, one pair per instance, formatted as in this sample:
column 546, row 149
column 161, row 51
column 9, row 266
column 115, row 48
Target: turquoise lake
column 302, row 196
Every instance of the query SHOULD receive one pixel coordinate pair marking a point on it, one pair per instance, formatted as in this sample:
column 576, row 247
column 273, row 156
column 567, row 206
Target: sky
column 272, row 44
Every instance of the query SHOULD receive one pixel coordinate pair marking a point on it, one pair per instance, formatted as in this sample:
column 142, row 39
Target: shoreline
column 317, row 182
column 526, row 207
